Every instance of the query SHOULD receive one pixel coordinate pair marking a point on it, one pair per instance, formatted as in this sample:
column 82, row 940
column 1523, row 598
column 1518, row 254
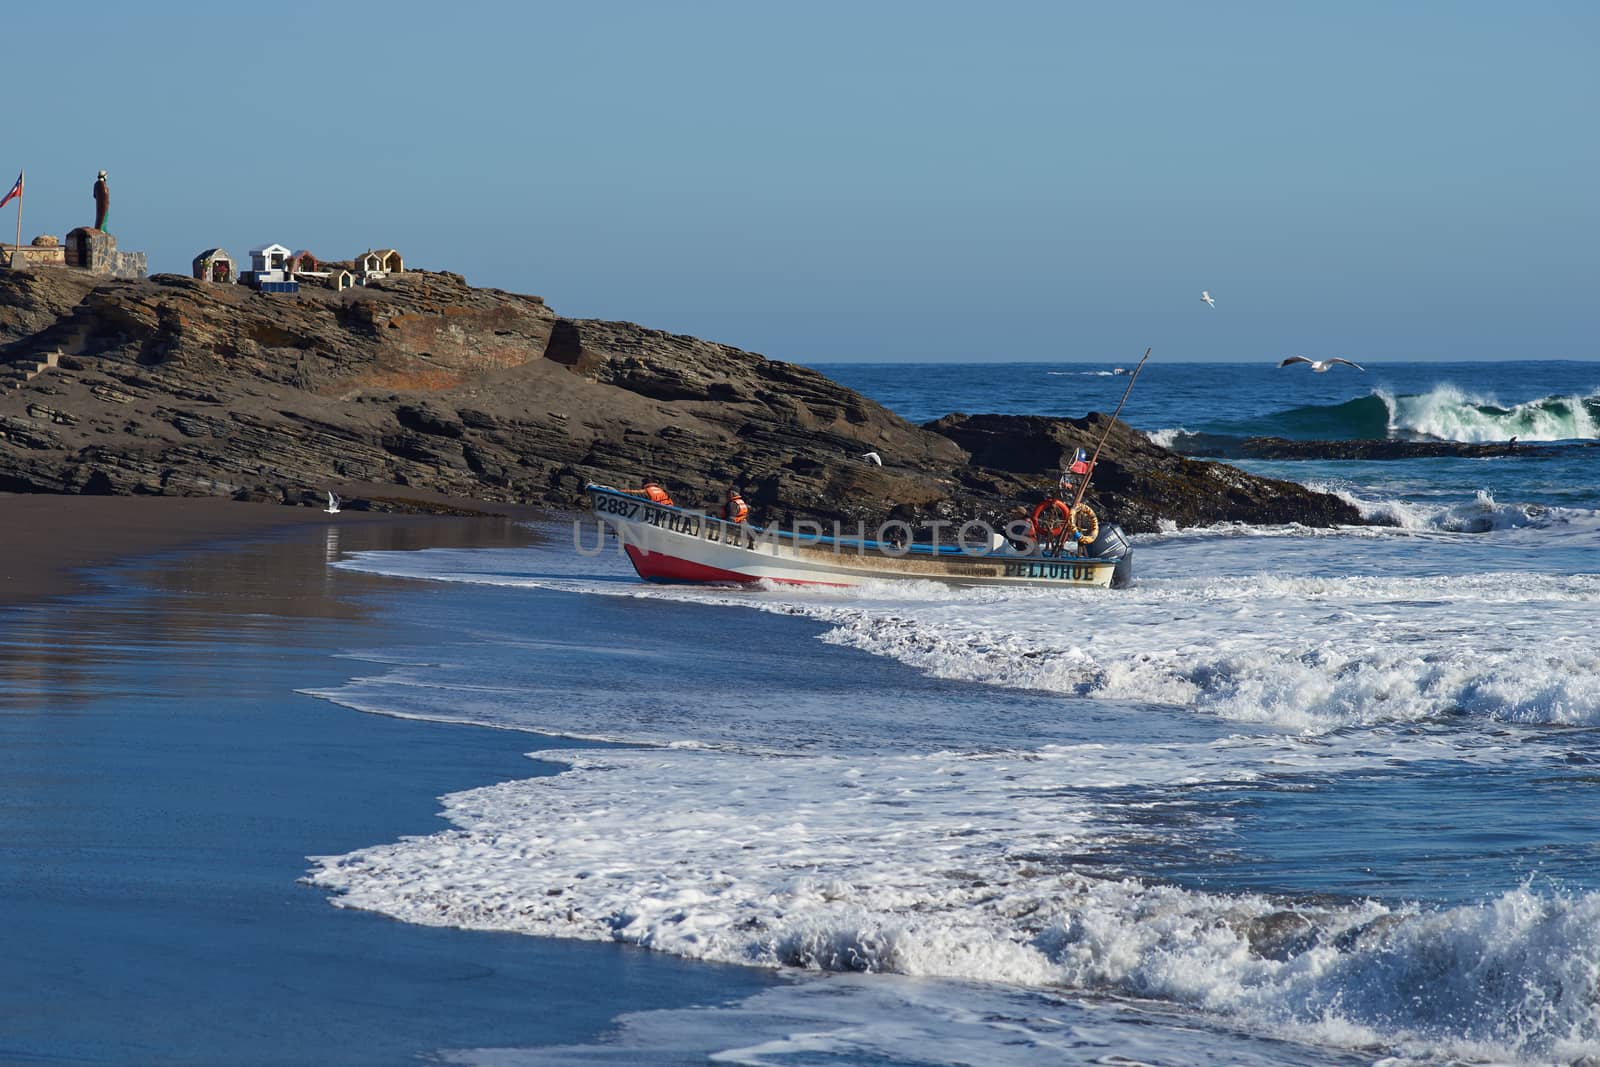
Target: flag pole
column 1084, row 485
column 21, row 191
column 1060, row 540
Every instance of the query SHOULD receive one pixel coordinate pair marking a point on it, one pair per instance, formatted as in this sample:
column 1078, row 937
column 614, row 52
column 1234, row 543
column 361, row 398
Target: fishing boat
column 1062, row 544
column 667, row 543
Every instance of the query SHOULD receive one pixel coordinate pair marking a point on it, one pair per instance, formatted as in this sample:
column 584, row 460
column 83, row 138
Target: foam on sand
column 961, row 867
column 831, row 840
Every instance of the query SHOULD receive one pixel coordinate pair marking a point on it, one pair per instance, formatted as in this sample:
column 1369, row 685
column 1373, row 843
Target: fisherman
column 653, row 492
column 735, row 510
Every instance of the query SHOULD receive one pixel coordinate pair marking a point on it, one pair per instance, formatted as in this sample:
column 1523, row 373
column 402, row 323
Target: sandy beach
column 166, row 782
column 48, row 543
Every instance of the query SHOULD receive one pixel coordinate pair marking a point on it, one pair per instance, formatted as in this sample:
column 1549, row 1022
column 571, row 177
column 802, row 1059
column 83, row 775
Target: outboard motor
column 1112, row 542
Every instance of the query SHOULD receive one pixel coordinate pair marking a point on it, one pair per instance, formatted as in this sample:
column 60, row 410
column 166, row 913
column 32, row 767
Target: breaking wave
column 1346, row 650
column 1482, row 514
column 715, row 856
column 1444, row 413
column 1447, row 414
column 1332, row 659
column 979, row 863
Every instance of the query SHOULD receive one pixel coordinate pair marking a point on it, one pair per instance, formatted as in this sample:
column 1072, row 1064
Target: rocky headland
column 423, row 384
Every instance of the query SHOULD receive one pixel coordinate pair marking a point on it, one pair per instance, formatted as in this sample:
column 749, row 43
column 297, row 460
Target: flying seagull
column 871, row 457
column 1320, row 366
column 333, row 505
column 1207, row 298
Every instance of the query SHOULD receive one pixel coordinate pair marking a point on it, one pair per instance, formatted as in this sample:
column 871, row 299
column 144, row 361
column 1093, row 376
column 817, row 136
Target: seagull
column 333, row 505
column 1320, row 366
column 871, row 457
column 1207, row 298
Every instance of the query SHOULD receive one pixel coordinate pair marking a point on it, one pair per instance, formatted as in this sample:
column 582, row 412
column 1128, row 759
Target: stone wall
column 129, row 265
column 96, row 251
column 38, row 256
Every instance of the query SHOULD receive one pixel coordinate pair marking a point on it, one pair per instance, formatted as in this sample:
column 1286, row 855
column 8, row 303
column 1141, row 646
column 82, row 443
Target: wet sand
column 49, row 543
column 165, row 783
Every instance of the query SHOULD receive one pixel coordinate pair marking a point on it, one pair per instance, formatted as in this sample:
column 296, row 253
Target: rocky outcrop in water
column 173, row 386
column 1139, row 482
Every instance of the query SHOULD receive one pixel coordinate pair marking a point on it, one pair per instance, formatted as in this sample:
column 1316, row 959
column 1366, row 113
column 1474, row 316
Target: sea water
column 1296, row 796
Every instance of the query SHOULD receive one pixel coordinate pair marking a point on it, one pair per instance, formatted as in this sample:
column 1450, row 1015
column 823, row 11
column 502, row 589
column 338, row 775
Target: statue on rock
column 102, row 201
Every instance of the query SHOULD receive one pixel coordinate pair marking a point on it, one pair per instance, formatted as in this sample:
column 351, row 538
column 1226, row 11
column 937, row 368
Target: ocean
column 1539, row 402
column 1297, row 796
column 1294, row 797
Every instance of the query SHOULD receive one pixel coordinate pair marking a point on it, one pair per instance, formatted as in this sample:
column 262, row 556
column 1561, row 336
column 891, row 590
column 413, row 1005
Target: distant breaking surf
column 1444, row 413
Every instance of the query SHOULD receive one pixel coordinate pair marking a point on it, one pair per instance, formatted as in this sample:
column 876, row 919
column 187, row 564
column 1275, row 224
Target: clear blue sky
column 831, row 181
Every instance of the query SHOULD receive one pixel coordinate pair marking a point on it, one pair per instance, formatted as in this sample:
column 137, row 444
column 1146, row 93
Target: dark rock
column 1137, row 482
column 425, row 420
column 97, row 484
column 1022, row 444
column 39, row 411
column 184, row 388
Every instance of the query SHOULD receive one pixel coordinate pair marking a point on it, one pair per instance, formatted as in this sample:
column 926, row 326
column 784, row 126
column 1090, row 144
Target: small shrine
column 303, row 264
column 215, row 265
column 371, row 266
column 269, row 270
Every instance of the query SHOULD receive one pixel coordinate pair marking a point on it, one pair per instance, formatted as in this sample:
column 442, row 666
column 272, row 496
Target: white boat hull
column 671, row 544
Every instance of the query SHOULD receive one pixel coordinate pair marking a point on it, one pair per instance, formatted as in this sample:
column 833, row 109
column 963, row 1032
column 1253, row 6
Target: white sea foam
column 1313, row 653
column 1447, row 413
column 1244, row 643
column 1167, row 438
column 1481, row 514
column 961, row 866
column 886, row 1019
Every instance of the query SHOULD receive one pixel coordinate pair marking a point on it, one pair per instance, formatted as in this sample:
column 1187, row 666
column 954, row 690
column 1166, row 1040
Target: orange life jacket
column 657, row 495
column 735, row 509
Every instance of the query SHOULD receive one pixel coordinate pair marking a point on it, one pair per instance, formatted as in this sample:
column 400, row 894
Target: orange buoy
column 1083, row 518
column 1050, row 520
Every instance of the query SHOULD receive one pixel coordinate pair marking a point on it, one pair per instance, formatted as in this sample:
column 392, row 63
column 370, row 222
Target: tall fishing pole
column 1083, row 486
column 1059, row 540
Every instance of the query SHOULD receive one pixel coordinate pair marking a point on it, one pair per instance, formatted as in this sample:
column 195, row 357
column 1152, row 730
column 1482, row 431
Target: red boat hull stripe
column 656, row 567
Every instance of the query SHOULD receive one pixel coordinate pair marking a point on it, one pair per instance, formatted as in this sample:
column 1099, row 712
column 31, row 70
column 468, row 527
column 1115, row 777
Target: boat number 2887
column 612, row 506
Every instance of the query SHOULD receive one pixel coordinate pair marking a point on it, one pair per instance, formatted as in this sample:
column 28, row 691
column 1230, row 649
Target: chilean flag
column 1080, row 461
column 16, row 190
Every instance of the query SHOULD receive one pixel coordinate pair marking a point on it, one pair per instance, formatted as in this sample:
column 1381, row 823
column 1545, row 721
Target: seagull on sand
column 333, row 505
column 871, row 457
column 1320, row 366
column 1207, row 298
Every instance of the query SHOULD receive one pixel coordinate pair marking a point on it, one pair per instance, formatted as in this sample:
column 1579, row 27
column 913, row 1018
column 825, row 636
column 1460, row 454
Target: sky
column 867, row 181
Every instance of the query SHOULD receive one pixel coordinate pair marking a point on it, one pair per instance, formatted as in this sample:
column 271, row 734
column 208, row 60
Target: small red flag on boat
column 16, row 190
column 1080, row 463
